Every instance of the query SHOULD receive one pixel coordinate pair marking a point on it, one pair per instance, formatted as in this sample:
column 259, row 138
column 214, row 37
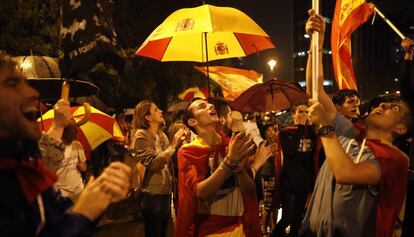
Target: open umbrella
column 43, row 74
column 50, row 88
column 273, row 95
column 203, row 34
column 99, row 128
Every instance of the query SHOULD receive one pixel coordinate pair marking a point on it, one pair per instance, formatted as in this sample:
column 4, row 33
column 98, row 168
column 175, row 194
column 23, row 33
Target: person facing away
column 361, row 186
column 30, row 206
column 70, row 183
column 216, row 191
column 154, row 151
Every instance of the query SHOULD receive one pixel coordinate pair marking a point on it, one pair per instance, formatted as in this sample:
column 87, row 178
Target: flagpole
column 315, row 56
column 402, row 36
column 208, row 70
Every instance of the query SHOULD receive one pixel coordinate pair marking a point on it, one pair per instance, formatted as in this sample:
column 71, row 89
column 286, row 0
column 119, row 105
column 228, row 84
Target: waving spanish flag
column 349, row 15
column 233, row 81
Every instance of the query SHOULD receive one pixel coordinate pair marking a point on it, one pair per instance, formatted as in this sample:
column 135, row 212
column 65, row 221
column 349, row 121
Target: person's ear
column 400, row 129
column 148, row 118
column 192, row 122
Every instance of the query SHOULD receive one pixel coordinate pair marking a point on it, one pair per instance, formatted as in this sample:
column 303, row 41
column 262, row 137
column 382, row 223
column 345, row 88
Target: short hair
column 141, row 110
column 188, row 114
column 296, row 106
column 340, row 96
column 407, row 118
column 221, row 106
column 263, row 129
column 6, row 61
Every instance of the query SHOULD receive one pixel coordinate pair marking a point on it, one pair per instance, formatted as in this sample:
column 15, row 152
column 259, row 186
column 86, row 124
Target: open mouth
column 213, row 112
column 32, row 114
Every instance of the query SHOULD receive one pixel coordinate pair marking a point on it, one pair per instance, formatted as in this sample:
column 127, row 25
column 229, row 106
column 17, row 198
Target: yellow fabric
column 237, row 232
column 233, row 81
column 186, row 28
column 206, row 18
column 94, row 133
column 198, row 141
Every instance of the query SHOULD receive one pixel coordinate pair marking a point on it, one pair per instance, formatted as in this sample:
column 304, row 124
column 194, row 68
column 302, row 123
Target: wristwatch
column 325, row 130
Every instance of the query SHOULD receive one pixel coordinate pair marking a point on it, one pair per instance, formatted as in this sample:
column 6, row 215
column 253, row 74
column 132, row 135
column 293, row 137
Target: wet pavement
column 123, row 219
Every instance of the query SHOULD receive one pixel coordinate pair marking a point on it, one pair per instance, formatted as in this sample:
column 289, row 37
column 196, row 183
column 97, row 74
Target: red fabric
column 214, row 224
column 346, row 20
column 32, row 175
column 154, row 49
column 253, row 43
column 392, row 185
column 192, row 169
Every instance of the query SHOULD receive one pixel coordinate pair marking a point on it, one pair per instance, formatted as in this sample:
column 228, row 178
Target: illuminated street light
column 272, row 63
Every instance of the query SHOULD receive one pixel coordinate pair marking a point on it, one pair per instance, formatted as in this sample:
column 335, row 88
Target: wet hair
column 141, row 110
column 222, row 107
column 340, row 96
column 188, row 114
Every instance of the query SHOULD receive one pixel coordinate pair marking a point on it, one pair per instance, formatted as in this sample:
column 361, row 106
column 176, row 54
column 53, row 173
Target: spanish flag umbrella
column 99, row 128
column 203, row 34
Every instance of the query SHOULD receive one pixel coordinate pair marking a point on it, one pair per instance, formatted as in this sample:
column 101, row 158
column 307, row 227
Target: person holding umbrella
column 30, row 206
column 154, row 151
column 73, row 162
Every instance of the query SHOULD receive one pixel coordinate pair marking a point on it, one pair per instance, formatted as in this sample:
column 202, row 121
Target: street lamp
column 272, row 63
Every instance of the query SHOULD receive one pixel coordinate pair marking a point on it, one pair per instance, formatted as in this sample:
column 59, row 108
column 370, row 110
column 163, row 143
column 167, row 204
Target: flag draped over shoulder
column 349, row 15
column 233, row 81
column 87, row 37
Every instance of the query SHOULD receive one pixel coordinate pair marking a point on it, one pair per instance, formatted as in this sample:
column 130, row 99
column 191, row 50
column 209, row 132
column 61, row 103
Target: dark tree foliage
column 32, row 27
column 29, row 26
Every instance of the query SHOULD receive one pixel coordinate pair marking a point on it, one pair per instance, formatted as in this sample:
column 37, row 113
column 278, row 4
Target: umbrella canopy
column 273, row 95
column 225, row 32
column 50, row 88
column 38, row 66
column 203, row 34
column 99, row 128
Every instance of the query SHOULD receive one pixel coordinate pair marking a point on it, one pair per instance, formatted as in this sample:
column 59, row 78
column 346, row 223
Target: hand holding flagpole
column 315, row 56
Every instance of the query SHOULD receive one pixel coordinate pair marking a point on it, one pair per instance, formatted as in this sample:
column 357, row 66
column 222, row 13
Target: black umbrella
column 50, row 88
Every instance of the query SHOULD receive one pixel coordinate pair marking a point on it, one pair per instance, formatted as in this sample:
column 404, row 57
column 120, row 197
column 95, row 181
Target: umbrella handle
column 86, row 106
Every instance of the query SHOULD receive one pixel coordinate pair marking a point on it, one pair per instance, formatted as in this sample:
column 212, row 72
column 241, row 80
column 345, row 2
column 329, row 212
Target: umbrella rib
column 166, row 47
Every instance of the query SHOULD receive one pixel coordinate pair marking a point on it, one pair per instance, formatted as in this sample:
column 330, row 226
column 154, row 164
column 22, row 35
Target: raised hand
column 317, row 114
column 240, row 145
column 62, row 112
column 180, row 136
column 263, row 153
column 315, row 23
column 111, row 186
column 408, row 45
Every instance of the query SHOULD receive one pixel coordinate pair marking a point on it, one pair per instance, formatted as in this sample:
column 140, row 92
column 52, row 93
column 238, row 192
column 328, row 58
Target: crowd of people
column 333, row 172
